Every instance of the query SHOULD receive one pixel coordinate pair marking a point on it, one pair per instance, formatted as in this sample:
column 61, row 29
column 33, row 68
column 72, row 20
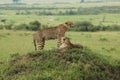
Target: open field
column 19, row 60
column 104, row 43
column 108, row 13
column 110, row 19
column 99, row 60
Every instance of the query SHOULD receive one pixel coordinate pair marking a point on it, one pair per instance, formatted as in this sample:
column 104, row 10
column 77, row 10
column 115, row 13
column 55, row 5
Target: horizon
column 52, row 1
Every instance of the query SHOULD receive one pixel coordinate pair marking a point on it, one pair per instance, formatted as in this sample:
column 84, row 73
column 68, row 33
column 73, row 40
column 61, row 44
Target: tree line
column 79, row 26
column 63, row 11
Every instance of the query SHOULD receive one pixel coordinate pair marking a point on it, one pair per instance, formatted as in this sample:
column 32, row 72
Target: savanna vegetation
column 97, row 28
column 74, row 64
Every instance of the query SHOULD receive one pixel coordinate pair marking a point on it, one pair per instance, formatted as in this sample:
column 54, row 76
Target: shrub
column 21, row 27
column 8, row 26
column 35, row 25
column 115, row 28
column 88, row 26
column 82, row 26
column 3, row 20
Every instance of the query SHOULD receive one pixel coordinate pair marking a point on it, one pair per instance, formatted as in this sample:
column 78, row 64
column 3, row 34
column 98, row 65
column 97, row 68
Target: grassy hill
column 75, row 64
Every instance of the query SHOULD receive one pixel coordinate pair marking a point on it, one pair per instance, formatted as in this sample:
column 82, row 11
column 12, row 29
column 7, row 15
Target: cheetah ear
column 66, row 23
column 62, row 38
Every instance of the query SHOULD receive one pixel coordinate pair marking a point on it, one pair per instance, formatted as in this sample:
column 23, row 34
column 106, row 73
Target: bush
column 88, row 26
column 8, row 26
column 21, row 27
column 3, row 20
column 35, row 25
column 82, row 26
column 115, row 28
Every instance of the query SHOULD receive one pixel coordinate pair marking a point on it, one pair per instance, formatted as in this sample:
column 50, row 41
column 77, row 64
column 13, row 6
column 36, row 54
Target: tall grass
column 104, row 43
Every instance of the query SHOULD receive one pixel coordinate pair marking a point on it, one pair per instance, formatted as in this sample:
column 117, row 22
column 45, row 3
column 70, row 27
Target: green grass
column 74, row 64
column 110, row 19
column 102, row 60
column 15, row 42
column 11, row 17
column 104, row 43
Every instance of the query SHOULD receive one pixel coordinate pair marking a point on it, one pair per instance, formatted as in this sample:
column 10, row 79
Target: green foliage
column 21, row 27
column 50, row 65
column 35, row 25
column 88, row 26
column 65, row 10
column 3, row 20
column 32, row 26
column 79, row 26
column 84, row 26
column 8, row 26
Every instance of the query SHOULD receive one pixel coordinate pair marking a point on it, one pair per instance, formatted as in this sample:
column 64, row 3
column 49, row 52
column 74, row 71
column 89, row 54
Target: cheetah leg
column 59, row 40
column 40, row 44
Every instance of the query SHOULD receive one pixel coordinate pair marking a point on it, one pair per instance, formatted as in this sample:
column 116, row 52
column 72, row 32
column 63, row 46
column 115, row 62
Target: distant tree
column 82, row 1
column 16, row 1
column 35, row 25
column 3, row 20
